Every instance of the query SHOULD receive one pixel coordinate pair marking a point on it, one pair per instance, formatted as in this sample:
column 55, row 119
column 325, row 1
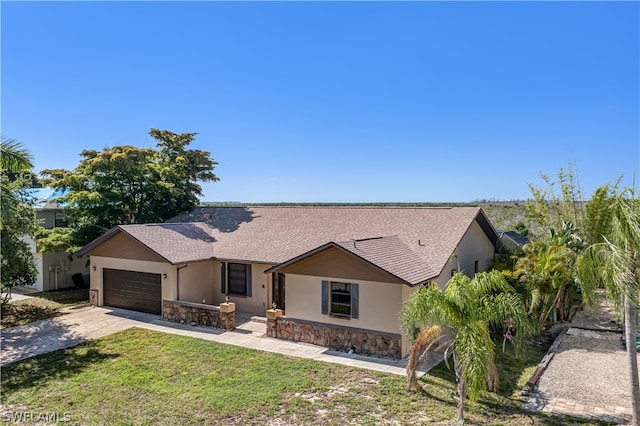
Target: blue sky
column 335, row 101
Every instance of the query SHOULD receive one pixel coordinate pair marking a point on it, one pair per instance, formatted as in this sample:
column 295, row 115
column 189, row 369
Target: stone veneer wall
column 207, row 315
column 365, row 342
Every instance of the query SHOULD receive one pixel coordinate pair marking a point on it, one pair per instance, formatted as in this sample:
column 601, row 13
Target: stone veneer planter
column 93, row 297
column 365, row 342
column 222, row 316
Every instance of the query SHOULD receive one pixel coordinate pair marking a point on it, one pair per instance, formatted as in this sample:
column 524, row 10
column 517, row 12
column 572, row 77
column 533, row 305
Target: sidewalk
column 88, row 323
column 16, row 296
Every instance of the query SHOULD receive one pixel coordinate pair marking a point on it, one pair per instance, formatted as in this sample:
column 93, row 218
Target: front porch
column 223, row 316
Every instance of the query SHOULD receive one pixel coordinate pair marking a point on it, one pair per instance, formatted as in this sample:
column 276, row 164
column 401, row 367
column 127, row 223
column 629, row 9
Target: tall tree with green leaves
column 461, row 317
column 614, row 264
column 125, row 185
column 181, row 170
column 17, row 217
column 559, row 201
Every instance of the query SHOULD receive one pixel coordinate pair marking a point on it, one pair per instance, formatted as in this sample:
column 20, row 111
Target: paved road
column 87, row 323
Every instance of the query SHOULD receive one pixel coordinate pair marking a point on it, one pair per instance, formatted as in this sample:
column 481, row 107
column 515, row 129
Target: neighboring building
column 55, row 269
column 512, row 240
column 340, row 274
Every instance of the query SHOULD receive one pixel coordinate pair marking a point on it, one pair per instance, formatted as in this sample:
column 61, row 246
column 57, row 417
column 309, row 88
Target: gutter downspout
column 178, row 280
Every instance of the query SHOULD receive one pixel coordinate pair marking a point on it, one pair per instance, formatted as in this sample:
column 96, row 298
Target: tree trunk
column 461, row 394
column 462, row 390
column 630, row 336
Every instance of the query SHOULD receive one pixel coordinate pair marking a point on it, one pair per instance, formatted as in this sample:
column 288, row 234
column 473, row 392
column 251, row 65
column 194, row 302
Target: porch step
column 259, row 319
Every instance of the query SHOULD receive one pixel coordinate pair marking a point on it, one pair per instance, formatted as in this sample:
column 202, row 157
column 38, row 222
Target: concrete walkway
column 15, row 296
column 88, row 323
column 587, row 376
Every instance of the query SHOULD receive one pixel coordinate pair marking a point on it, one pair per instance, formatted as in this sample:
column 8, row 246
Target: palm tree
column 460, row 317
column 615, row 264
column 548, row 272
column 14, row 158
column 17, row 263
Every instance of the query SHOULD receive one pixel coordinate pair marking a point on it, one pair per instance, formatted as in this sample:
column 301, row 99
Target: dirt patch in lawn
column 40, row 306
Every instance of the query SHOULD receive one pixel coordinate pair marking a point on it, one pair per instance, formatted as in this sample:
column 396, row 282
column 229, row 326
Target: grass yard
column 145, row 377
column 42, row 305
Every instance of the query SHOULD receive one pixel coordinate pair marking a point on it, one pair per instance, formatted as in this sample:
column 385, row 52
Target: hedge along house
column 337, row 276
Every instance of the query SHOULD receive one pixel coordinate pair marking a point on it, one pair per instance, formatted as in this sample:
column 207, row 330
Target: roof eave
column 487, row 227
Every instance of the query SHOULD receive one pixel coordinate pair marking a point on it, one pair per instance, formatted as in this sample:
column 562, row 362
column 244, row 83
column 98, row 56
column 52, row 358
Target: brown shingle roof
column 393, row 256
column 277, row 234
column 175, row 242
column 422, row 239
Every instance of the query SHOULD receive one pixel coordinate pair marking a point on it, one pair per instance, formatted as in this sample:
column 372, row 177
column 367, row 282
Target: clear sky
column 335, row 101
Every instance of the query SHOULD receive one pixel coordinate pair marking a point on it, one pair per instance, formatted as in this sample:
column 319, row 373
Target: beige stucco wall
column 257, row 303
column 168, row 284
column 125, row 247
column 54, row 268
column 67, row 269
column 196, row 282
column 379, row 303
column 473, row 246
column 62, row 269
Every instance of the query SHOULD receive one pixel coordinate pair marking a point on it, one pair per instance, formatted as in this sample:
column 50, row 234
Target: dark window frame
column 236, row 279
column 340, row 302
column 329, row 298
column 60, row 220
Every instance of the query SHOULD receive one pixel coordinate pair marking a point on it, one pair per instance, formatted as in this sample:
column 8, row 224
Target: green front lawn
column 40, row 306
column 145, row 377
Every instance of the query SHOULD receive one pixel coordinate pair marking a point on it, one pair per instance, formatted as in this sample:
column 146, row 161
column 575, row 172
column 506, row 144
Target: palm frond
column 14, row 157
column 625, row 231
column 429, row 305
column 460, row 295
column 589, row 266
column 621, row 271
column 614, row 264
column 419, row 351
column 474, row 349
column 490, row 282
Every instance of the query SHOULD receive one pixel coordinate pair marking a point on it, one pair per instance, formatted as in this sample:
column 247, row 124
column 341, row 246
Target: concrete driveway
column 79, row 325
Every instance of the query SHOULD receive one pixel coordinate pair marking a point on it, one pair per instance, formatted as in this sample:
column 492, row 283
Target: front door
column 278, row 290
